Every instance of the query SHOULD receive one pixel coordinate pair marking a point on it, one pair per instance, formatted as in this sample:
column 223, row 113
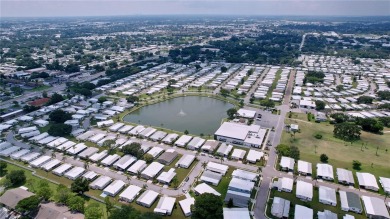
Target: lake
column 193, row 113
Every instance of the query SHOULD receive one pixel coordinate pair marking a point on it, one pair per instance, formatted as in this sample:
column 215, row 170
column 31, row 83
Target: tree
column 324, row 158
column 347, row 131
column 385, row 121
column 62, row 194
column 28, row 204
column 43, row 190
column 207, row 206
column 294, row 152
column 60, row 130
column 283, row 150
column 231, row 113
column 356, row 165
column 29, row 109
column 93, row 211
column 175, row 182
column 124, row 212
column 339, row 87
column 223, row 69
column 16, row 177
column 113, row 64
column 267, row 103
column 108, row 143
column 230, row 203
column 72, row 67
column 44, row 94
column 365, row 99
column 80, row 185
column 109, row 205
column 339, row 117
column 55, row 98
column 370, row 124
column 132, row 99
column 76, row 203
column 102, row 99
column 224, row 92
column 3, row 166
column 59, row 116
column 320, row 105
column 148, row 158
column 133, row 149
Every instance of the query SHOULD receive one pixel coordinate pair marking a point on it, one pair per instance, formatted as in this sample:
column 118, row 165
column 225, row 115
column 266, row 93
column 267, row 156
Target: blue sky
column 54, row 8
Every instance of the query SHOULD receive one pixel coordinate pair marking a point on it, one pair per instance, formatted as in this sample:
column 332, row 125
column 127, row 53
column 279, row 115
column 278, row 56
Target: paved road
column 255, row 85
column 302, row 42
column 274, row 138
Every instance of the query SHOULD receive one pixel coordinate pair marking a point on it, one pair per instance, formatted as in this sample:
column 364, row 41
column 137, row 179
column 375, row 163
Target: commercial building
column 234, row 133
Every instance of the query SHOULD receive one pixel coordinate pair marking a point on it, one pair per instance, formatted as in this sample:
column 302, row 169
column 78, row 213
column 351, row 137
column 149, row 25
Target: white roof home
column 136, row 130
column 385, row 183
column 105, row 123
column 4, row 145
column 166, row 177
column 98, row 156
column 74, row 173
column 6, row 152
column 140, row 165
column 66, row 145
column 19, row 154
column 325, row 171
column 280, row 207
column 327, row 196
column 27, row 129
column 51, row 164
column 29, row 157
column 186, row 206
column 147, row 198
column 76, row 149
column 211, row 177
column 57, row 142
column 47, row 140
column 304, row 167
column 147, row 132
column 303, row 212
column 100, row 183
column 284, row 184
column 158, row 135
column 114, row 188
column 238, row 154
column 155, row 152
column 130, row 193
column 245, row 175
column 152, row 170
column 183, row 140
column 85, row 135
column 287, row 163
column 97, row 137
column 375, row 207
column 345, row 176
column 250, row 114
column 185, row 161
column 106, row 138
column 304, row 190
column 170, row 138
column 204, row 188
column 195, row 143
column 326, row 214
column 234, row 213
column 253, row 156
column 90, row 175
column 88, row 152
column 224, row 149
column 110, row 159
column 367, row 181
column 62, row 169
column 40, row 161
column 30, row 134
column 165, row 206
column 39, row 137
column 41, row 122
column 116, row 126
column 124, row 162
column 218, row 168
column 125, row 129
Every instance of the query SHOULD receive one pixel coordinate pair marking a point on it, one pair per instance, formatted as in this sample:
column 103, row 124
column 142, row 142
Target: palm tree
column 86, row 165
column 221, row 159
column 204, row 165
column 138, row 174
column 128, row 178
column 53, row 155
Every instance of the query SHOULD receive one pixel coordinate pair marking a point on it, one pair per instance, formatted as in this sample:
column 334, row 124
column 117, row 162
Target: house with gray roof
column 350, row 202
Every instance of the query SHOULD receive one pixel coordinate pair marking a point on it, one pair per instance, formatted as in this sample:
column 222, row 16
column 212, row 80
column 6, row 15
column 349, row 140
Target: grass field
column 339, row 153
column 224, row 184
column 314, row 204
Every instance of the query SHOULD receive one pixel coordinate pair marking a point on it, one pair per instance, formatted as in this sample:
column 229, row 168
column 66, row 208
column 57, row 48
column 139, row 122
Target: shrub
column 318, row 136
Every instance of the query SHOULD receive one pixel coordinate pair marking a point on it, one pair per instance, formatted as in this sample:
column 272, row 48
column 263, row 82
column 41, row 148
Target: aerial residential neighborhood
column 107, row 115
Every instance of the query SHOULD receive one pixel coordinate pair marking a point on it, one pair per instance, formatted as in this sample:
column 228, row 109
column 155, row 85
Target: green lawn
column 314, row 204
column 224, row 184
column 274, row 83
column 339, row 153
column 40, row 88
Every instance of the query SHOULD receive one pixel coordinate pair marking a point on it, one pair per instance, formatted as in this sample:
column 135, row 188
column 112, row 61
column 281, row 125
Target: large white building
column 239, row 134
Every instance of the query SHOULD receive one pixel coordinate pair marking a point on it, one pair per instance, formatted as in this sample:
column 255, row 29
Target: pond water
column 193, row 113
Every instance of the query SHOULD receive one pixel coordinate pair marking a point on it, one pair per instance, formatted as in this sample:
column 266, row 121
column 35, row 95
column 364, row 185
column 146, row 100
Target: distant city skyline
column 56, row 8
